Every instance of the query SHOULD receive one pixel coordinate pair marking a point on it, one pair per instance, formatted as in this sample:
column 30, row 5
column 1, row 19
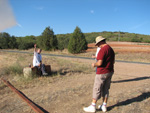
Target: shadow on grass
column 129, row 80
column 63, row 72
column 139, row 98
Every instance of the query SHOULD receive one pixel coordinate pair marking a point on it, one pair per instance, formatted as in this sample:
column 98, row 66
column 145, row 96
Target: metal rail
column 35, row 107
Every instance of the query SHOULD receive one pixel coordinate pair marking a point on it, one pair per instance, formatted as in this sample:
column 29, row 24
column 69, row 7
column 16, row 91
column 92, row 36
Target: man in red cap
column 105, row 69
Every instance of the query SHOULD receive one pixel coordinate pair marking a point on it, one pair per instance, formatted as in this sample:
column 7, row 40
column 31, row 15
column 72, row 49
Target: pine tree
column 48, row 40
column 77, row 42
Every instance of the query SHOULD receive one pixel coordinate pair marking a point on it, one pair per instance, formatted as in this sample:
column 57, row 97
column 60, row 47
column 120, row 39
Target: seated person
column 37, row 60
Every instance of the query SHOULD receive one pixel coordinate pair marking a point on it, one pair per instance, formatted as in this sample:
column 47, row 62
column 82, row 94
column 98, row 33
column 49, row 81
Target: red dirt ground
column 124, row 47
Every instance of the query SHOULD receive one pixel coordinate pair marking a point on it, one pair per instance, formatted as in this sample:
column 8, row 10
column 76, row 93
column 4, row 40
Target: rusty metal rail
column 34, row 106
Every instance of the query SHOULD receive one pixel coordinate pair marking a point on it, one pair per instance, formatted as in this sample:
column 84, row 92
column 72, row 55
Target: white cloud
column 19, row 25
column 92, row 11
column 39, row 8
column 139, row 25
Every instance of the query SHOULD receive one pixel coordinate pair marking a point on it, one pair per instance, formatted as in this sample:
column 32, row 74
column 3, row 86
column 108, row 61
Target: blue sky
column 33, row 16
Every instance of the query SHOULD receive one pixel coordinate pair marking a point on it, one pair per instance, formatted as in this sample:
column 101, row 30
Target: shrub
column 135, row 40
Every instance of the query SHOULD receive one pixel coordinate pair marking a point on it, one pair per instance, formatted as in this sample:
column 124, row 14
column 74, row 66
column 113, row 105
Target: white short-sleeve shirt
column 97, row 51
column 37, row 58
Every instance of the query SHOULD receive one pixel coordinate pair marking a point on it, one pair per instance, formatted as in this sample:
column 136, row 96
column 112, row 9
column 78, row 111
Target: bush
column 135, row 40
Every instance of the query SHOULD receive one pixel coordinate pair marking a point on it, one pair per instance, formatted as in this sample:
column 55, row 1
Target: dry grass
column 136, row 57
column 59, row 66
column 69, row 88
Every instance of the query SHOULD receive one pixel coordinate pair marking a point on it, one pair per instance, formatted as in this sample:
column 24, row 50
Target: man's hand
column 35, row 48
column 93, row 64
column 34, row 45
column 39, row 65
column 93, row 56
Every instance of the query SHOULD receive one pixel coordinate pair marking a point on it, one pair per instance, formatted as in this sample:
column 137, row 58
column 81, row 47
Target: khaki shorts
column 102, row 85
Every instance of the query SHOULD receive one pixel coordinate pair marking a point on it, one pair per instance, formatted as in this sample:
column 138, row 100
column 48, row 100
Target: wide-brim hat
column 99, row 39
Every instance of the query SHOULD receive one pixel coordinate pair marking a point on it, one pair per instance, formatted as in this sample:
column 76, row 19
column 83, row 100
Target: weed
column 13, row 69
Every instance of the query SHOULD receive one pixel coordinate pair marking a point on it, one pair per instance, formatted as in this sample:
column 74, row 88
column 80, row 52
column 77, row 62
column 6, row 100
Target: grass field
column 69, row 87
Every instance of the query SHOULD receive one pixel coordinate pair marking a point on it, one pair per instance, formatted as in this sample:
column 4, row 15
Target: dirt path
column 130, row 92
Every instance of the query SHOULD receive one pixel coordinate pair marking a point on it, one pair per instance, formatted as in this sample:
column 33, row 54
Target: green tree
column 77, row 42
column 63, row 41
column 7, row 41
column 26, row 42
column 4, row 40
column 47, row 40
column 13, row 43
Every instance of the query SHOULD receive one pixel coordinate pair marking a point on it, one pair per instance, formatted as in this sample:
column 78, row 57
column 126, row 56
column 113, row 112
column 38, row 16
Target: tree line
column 75, row 42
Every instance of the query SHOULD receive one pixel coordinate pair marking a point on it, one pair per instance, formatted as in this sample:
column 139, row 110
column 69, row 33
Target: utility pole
column 118, row 36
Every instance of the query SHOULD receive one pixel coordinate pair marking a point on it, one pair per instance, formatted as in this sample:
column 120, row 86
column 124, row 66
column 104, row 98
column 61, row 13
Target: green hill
column 113, row 36
column 26, row 42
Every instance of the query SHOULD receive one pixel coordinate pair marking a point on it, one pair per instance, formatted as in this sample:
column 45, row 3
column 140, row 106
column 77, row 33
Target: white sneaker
column 91, row 108
column 103, row 108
